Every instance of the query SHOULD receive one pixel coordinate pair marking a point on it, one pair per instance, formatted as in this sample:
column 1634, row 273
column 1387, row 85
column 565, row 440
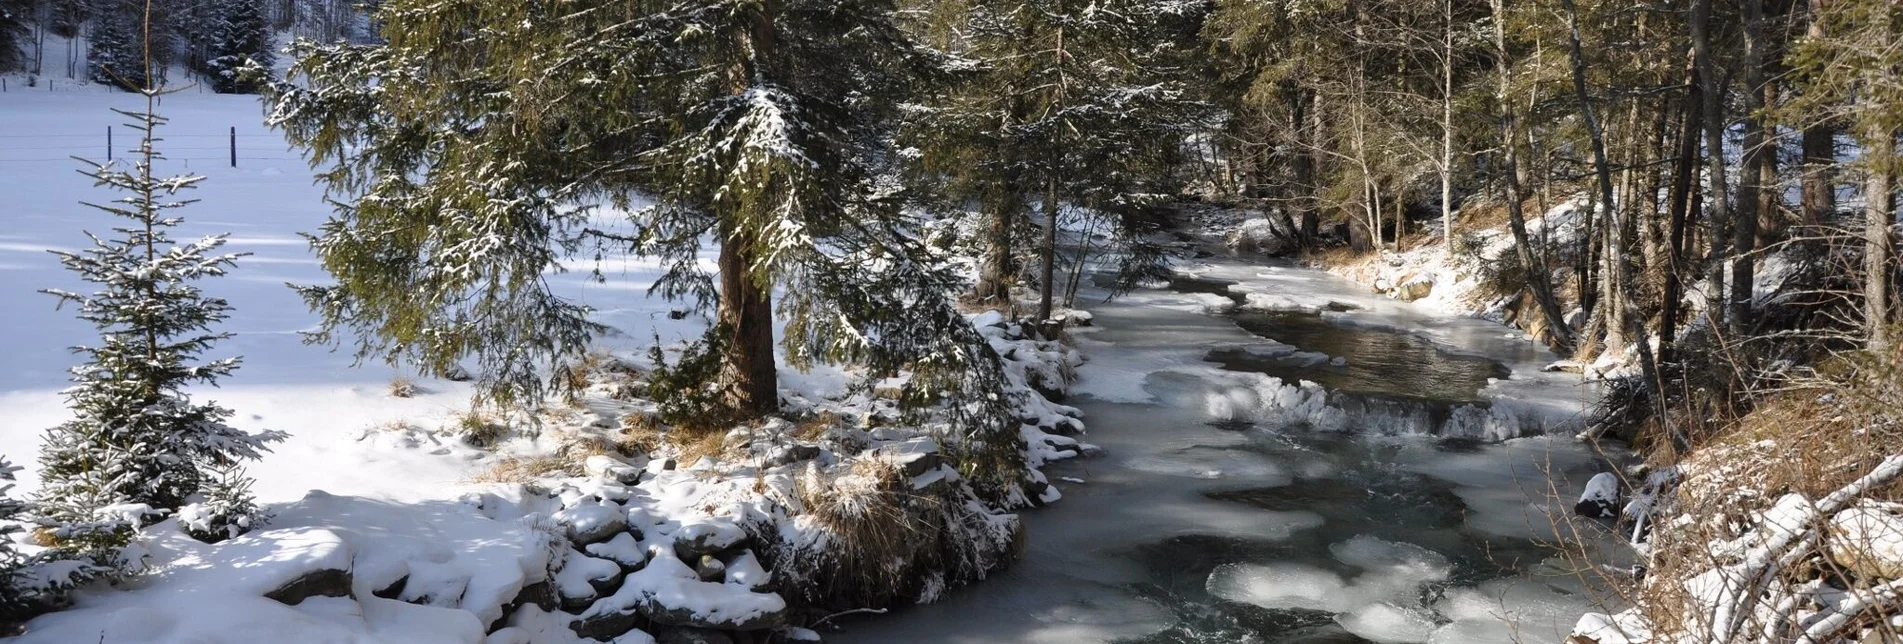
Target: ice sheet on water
column 1386, row 622
column 1380, row 603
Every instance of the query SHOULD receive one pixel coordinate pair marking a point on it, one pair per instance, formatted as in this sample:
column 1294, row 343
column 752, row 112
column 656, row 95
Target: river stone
column 588, row 523
column 1600, row 500
column 1414, row 286
column 691, row 635
column 693, row 541
column 605, row 467
column 323, row 582
column 605, row 626
column 710, row 569
column 914, row 456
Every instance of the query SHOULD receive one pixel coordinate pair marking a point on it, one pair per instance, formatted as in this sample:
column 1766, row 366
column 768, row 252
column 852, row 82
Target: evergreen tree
column 138, row 445
column 1070, row 102
column 466, row 166
column 115, row 53
column 238, row 36
column 14, row 34
column 12, row 598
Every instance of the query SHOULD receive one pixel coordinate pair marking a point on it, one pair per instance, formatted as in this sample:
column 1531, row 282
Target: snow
column 385, row 479
column 471, row 565
column 669, row 582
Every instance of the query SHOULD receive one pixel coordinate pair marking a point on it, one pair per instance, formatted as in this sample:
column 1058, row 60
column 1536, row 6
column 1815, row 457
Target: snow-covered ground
column 396, row 528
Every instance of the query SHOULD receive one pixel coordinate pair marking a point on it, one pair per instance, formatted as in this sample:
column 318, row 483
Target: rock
column 745, row 571
column 606, row 625
column 693, row 541
column 691, row 635
column 394, row 590
column 588, row 523
column 624, row 549
column 1868, row 540
column 323, row 582
column 710, row 569
column 456, row 373
column 541, row 594
column 1414, row 286
column 1601, row 498
column 583, row 579
column 1080, row 318
column 605, row 467
column 914, row 456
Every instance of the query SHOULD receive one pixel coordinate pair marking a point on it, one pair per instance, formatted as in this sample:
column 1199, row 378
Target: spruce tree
column 1069, row 102
column 465, row 169
column 138, row 446
column 115, row 51
column 13, row 602
column 237, row 37
column 14, row 33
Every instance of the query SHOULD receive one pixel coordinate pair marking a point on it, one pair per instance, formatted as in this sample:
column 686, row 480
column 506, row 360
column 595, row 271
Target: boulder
column 588, row 523
column 1868, row 540
column 604, row 625
column 695, row 540
column 1601, row 498
column 691, row 635
column 914, row 456
column 602, row 466
column 583, row 579
column 624, row 549
column 1414, row 286
column 323, row 582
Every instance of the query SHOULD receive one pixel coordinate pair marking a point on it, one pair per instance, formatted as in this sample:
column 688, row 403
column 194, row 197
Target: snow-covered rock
column 1868, row 540
column 589, row 523
column 1600, row 500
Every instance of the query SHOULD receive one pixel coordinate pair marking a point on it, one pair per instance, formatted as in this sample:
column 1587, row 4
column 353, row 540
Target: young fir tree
column 137, row 444
column 237, row 37
column 1070, row 102
column 466, row 168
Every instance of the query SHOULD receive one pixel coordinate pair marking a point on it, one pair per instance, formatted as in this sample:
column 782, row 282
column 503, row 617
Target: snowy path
column 1207, row 524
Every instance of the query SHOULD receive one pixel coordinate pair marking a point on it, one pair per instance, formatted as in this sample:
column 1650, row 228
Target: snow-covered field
column 312, row 393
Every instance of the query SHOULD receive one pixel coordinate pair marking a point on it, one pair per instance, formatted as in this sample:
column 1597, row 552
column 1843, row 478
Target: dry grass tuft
column 401, row 387
column 867, row 538
column 513, row 469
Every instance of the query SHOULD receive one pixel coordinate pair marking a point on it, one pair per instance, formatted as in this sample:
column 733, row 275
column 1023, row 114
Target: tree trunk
column 1717, row 203
column 1308, row 122
column 1447, row 127
column 1049, row 271
column 1744, row 227
column 746, row 316
column 1683, row 201
column 995, row 276
column 1620, row 259
column 1537, row 278
column 1879, row 215
column 745, row 311
column 1820, row 153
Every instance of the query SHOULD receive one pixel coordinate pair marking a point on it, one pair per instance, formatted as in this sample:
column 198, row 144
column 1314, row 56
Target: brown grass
column 401, row 387
column 1812, row 440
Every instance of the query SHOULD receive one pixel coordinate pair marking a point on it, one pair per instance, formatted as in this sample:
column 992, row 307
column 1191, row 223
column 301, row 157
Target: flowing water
column 1326, row 466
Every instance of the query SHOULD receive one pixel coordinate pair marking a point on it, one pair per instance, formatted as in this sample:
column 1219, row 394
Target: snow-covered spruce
column 138, row 447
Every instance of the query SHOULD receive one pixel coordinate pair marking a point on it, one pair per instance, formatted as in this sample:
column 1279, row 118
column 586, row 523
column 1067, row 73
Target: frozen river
column 1400, row 494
